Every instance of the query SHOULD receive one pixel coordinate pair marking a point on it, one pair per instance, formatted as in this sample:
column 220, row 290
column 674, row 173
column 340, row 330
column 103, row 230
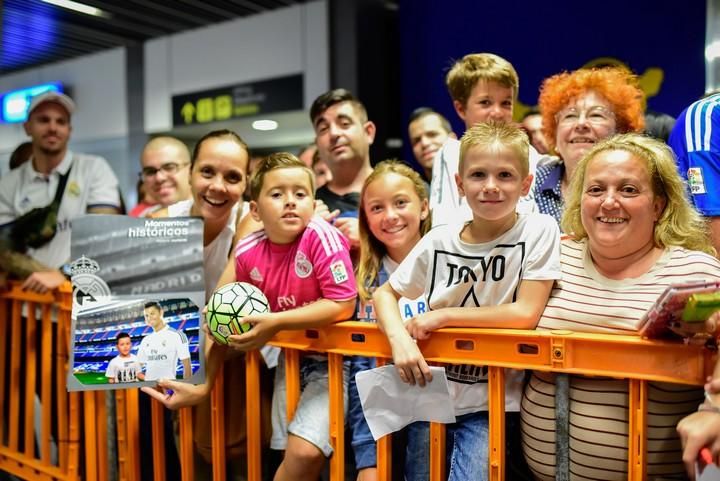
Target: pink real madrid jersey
column 316, row 265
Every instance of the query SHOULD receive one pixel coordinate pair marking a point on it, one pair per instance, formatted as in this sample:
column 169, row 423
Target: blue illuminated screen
column 16, row 102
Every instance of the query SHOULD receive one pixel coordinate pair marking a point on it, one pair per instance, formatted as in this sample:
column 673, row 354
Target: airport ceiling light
column 79, row 7
column 265, row 124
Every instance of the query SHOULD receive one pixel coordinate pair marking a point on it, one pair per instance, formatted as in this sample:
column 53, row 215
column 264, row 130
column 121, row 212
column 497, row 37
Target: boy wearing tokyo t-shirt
column 495, row 271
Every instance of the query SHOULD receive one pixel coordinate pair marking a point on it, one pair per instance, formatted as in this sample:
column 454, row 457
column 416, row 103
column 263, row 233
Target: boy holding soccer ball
column 302, row 265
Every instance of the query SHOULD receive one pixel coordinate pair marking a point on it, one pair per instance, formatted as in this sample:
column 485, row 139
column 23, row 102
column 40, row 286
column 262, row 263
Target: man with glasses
column 165, row 174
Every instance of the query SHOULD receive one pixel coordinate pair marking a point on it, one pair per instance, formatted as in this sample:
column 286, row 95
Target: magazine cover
column 138, row 293
column 663, row 319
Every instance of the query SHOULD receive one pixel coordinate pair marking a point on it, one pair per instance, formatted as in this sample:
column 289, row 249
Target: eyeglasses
column 594, row 115
column 169, row 168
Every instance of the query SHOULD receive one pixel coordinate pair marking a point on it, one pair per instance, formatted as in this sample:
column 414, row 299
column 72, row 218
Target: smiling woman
column 579, row 109
column 634, row 234
column 218, row 172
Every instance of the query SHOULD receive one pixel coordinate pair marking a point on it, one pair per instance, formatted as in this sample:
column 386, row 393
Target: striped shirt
column 586, row 301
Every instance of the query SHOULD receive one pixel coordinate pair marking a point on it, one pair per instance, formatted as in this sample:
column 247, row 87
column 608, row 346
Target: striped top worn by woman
column 586, row 301
column 634, row 234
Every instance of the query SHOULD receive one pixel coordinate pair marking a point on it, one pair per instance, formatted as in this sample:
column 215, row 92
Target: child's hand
column 422, row 325
column 175, row 395
column 323, row 211
column 697, row 431
column 409, row 362
column 349, row 227
column 262, row 331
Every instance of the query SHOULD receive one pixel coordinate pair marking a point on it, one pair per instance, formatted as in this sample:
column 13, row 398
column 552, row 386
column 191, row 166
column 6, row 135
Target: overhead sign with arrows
column 275, row 95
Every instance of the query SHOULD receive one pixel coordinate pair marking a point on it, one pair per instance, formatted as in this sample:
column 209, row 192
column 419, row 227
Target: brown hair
column 278, row 160
column 474, row 67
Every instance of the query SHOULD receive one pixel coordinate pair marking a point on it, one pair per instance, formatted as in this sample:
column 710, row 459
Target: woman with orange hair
column 579, row 109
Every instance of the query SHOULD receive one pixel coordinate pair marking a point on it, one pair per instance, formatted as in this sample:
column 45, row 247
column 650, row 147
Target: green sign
column 267, row 96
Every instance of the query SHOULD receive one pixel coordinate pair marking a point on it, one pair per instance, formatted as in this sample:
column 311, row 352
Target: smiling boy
column 483, row 88
column 495, row 271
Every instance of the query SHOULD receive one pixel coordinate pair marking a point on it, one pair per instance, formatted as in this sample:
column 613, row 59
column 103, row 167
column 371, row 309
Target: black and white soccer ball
column 229, row 305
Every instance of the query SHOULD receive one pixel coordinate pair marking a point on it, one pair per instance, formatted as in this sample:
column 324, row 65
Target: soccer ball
column 229, row 305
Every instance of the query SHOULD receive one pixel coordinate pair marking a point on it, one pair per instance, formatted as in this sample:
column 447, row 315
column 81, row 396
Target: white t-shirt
column 453, row 273
column 124, row 369
column 160, row 351
column 446, row 205
column 91, row 183
column 409, row 308
column 216, row 253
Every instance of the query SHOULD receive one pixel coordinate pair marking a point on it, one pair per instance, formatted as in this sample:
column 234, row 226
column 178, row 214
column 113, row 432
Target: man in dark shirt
column 343, row 135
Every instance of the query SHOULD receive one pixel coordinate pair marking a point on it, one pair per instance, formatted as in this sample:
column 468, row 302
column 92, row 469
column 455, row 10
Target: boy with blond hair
column 495, row 271
column 483, row 88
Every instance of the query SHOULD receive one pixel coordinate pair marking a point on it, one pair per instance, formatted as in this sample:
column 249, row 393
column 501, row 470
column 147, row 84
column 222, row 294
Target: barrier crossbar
column 64, row 415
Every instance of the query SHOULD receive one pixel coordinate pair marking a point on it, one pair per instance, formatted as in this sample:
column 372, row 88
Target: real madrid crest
column 88, row 288
column 303, row 266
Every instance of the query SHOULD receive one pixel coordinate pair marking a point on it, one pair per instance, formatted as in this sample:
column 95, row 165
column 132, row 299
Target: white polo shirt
column 160, row 351
column 91, row 183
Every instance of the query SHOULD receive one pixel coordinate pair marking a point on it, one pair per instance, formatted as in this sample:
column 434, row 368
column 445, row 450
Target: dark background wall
column 543, row 38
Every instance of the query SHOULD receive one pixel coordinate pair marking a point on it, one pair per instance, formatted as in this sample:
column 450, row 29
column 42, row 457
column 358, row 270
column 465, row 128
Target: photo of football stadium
column 100, row 329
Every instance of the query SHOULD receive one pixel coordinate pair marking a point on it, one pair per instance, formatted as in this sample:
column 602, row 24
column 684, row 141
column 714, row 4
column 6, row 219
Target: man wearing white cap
column 90, row 186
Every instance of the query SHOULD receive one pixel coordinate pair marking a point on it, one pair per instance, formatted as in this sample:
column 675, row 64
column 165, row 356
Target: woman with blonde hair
column 633, row 234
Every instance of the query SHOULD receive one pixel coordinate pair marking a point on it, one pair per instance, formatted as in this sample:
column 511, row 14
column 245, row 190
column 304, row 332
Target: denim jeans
column 417, row 452
column 467, row 447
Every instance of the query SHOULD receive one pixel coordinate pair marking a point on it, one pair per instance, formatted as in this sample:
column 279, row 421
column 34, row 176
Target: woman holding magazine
column 634, row 234
column 218, row 175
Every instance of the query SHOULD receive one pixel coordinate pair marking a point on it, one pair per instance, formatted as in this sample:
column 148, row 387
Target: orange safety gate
column 66, row 415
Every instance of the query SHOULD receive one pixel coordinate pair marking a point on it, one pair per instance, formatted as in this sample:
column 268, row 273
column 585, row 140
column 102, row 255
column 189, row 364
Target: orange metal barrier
column 27, row 375
column 65, row 415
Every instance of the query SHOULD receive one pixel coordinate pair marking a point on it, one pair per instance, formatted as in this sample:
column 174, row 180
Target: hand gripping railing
column 64, row 416
column 630, row 357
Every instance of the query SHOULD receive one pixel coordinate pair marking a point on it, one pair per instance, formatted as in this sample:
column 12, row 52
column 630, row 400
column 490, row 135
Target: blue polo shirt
column 695, row 139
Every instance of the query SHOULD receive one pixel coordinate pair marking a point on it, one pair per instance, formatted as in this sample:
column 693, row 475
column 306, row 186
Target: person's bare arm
column 176, row 394
column 524, row 313
column 316, row 314
column 408, row 359
column 20, row 265
column 37, row 276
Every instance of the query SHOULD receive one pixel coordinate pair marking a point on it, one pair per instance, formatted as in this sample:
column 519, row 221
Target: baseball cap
column 55, row 97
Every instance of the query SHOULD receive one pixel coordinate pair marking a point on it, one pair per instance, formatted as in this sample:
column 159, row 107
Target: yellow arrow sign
column 188, row 111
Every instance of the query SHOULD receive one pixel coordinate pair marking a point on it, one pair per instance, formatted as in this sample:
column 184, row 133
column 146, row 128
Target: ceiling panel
column 35, row 33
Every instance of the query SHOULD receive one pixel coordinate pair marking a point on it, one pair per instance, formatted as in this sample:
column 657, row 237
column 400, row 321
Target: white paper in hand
column 390, row 404
column 708, row 473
